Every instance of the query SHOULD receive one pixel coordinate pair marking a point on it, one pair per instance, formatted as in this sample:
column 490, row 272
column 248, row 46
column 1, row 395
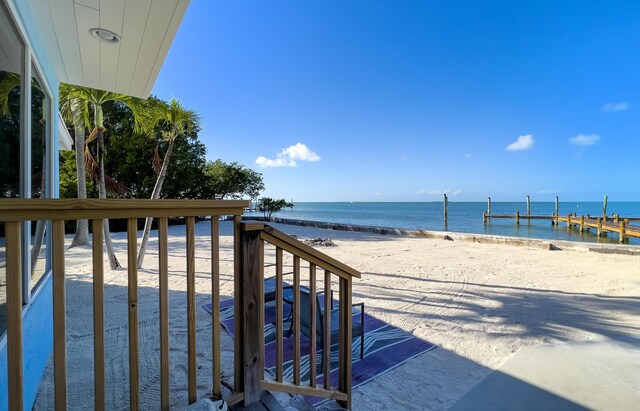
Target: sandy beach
column 479, row 303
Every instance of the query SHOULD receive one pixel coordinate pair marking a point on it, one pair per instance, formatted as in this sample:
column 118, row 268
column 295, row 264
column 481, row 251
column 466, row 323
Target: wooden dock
column 603, row 225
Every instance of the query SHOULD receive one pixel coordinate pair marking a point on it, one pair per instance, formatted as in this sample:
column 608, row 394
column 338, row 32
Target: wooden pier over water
column 613, row 224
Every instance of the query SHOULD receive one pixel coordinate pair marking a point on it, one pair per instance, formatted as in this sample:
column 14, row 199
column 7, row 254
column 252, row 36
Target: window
column 24, row 153
column 11, row 74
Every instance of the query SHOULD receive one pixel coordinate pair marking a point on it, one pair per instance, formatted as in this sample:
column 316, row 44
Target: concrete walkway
column 601, row 375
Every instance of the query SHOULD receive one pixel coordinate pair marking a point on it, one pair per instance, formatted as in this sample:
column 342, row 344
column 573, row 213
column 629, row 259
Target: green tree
column 233, row 180
column 75, row 103
column 269, row 206
column 174, row 122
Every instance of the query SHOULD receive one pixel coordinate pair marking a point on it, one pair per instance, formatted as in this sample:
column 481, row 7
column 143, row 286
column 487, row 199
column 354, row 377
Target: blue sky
column 402, row 100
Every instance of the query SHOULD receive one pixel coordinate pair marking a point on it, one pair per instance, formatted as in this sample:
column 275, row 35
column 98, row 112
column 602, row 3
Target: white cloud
column 615, row 107
column 468, row 155
column 584, row 140
column 522, row 143
column 439, row 192
column 288, row 156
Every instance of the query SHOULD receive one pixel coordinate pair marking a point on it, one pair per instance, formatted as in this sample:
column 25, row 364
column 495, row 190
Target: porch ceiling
column 146, row 29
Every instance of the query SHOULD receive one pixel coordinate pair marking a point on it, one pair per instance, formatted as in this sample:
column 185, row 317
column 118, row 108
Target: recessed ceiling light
column 105, row 35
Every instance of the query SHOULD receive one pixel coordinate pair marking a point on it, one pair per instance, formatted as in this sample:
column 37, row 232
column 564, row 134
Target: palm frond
column 8, row 82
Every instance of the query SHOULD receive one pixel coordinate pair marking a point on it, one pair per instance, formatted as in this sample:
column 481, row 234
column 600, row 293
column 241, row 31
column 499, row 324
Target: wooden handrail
column 294, row 246
column 16, row 209
column 253, row 235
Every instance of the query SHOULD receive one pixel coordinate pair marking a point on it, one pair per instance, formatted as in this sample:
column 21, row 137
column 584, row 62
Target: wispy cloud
column 584, row 140
column 522, row 143
column 288, row 156
column 609, row 107
column 439, row 192
column 468, row 155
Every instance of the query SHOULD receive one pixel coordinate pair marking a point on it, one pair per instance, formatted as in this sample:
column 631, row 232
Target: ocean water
column 464, row 217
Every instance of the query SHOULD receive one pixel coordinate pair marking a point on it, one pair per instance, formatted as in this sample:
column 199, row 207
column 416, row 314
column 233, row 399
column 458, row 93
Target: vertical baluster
column 14, row 315
column 296, row 320
column 279, row 315
column 345, row 340
column 238, row 366
column 163, row 271
column 98, row 314
column 261, row 306
column 191, row 308
column 326, row 332
column 215, row 304
column 313, row 325
column 134, row 370
column 59, row 317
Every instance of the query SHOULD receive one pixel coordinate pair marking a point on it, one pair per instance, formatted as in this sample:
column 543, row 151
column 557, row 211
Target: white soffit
column 146, row 29
column 64, row 138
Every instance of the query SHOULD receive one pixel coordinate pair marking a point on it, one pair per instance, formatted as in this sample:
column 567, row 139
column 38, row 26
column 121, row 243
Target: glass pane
column 11, row 52
column 39, row 189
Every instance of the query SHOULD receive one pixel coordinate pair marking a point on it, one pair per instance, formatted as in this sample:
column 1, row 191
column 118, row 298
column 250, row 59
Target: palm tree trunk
column 154, row 196
column 102, row 190
column 82, row 228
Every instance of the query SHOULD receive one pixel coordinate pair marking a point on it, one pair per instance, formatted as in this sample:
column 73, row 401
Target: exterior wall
column 38, row 314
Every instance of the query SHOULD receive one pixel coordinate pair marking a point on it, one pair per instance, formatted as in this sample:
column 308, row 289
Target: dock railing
column 15, row 211
column 254, row 235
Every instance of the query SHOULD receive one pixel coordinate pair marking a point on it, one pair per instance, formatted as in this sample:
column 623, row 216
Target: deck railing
column 14, row 211
column 251, row 311
column 249, row 259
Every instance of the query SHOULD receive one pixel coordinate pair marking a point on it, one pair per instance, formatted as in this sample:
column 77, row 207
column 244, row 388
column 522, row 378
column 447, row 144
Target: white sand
column 479, row 303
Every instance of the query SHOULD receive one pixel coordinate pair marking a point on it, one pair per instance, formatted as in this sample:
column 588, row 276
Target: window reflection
column 11, row 58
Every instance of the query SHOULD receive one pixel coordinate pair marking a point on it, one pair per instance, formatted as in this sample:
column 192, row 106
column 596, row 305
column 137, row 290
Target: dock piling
column 604, row 206
column 446, row 206
column 528, row 205
column 517, row 217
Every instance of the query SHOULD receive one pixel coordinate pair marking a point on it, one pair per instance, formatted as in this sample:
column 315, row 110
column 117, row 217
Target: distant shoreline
column 546, row 244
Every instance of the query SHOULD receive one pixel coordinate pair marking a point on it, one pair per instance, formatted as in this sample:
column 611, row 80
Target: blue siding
column 37, row 342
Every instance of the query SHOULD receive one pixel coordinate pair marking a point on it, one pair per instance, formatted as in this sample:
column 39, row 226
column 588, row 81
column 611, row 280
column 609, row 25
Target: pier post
column 484, row 217
column 446, row 206
column 557, row 214
column 488, row 208
column 622, row 231
column 616, row 219
column 528, row 206
column 599, row 225
column 517, row 217
column 581, row 223
column 604, row 206
column 568, row 221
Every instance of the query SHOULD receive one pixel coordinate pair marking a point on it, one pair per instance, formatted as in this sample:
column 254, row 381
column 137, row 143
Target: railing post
column 250, row 354
column 345, row 341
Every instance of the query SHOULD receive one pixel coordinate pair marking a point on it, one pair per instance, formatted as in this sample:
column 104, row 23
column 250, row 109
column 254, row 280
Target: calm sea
column 464, row 217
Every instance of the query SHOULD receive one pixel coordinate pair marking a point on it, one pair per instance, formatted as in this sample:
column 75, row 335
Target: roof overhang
column 146, row 29
column 64, row 138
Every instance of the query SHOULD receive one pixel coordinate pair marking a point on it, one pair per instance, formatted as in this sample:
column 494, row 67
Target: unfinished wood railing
column 14, row 211
column 250, row 310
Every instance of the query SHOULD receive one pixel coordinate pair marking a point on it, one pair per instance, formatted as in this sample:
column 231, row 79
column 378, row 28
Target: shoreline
column 545, row 244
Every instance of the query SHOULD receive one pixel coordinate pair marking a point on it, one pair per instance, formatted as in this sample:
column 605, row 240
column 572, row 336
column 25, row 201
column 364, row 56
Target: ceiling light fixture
column 105, row 35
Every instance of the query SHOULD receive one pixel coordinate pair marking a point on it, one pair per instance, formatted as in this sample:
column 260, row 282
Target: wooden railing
column 250, row 345
column 14, row 211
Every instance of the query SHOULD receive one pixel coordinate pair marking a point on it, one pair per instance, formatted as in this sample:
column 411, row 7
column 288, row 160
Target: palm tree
column 77, row 101
column 175, row 121
column 77, row 111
